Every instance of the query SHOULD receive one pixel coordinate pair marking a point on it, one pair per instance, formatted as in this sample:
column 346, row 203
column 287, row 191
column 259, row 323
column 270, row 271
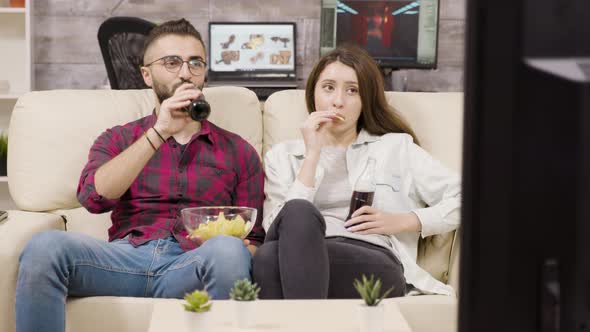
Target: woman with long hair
column 315, row 248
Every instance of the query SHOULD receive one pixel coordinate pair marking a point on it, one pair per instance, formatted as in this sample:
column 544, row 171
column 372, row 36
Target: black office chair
column 121, row 42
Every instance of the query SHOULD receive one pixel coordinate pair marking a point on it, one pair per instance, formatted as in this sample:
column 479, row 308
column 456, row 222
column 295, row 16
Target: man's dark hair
column 179, row 27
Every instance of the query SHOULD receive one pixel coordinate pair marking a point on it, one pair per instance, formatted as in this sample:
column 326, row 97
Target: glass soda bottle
column 364, row 188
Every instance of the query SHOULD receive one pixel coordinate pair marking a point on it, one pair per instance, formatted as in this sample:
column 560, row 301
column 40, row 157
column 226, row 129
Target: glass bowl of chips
column 211, row 221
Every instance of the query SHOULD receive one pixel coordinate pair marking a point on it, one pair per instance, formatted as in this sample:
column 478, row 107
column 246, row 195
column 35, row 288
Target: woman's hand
column 172, row 117
column 314, row 130
column 251, row 248
column 368, row 220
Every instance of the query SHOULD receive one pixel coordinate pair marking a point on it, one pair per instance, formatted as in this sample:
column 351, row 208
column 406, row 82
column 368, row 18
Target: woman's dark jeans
column 296, row 261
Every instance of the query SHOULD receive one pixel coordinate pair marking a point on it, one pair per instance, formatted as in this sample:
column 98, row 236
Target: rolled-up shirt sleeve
column 439, row 188
column 105, row 148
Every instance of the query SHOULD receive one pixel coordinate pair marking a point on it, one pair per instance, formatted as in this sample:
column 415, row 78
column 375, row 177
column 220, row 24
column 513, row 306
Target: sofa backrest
column 437, row 119
column 51, row 133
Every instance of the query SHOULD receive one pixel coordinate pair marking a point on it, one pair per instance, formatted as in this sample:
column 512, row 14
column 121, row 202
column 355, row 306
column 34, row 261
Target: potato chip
column 237, row 227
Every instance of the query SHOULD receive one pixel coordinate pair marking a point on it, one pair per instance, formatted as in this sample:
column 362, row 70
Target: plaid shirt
column 215, row 168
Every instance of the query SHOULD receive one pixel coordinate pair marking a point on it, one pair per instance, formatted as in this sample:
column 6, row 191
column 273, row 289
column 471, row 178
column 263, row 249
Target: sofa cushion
column 81, row 221
column 238, row 110
column 284, row 112
column 108, row 313
column 51, row 133
column 437, row 119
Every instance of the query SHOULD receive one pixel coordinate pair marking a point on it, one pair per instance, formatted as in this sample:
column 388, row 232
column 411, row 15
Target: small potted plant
column 371, row 313
column 244, row 293
column 198, row 303
column 3, row 153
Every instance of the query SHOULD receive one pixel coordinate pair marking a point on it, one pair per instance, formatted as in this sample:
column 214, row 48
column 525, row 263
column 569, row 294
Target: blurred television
column 396, row 33
column 526, row 168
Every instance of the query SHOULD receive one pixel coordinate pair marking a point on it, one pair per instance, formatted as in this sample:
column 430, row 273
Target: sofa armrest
column 15, row 232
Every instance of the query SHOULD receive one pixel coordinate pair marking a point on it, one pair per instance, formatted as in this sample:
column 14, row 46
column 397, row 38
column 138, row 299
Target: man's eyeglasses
column 173, row 63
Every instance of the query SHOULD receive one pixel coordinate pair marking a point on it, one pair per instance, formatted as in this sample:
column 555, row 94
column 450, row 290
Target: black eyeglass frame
column 199, row 60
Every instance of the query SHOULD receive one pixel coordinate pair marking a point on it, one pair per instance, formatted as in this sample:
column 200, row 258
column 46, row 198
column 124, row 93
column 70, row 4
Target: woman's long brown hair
column 377, row 116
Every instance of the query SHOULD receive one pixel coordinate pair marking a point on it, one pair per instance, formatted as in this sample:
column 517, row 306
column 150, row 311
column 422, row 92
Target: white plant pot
column 196, row 321
column 244, row 313
column 371, row 318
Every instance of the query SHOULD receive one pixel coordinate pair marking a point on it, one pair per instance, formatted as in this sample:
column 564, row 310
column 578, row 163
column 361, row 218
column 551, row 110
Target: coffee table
column 276, row 315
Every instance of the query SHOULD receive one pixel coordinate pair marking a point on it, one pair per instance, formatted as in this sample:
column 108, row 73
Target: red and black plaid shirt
column 214, row 168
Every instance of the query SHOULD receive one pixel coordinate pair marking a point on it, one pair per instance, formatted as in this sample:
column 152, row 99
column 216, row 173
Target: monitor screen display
column 396, row 33
column 252, row 47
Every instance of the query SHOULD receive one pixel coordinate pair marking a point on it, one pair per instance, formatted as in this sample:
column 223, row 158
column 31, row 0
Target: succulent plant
column 369, row 289
column 3, row 145
column 244, row 290
column 3, row 153
column 198, row 301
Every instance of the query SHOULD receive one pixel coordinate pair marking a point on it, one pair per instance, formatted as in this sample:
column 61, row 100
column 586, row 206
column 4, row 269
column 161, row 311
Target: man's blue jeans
column 56, row 264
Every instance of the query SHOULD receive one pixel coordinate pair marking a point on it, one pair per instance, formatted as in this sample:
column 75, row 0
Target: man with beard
column 146, row 171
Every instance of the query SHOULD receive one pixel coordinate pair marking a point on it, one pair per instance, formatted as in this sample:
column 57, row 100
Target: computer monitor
column 525, row 265
column 396, row 33
column 252, row 50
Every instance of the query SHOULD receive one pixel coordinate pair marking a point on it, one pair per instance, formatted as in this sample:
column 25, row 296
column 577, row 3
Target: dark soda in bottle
column 358, row 200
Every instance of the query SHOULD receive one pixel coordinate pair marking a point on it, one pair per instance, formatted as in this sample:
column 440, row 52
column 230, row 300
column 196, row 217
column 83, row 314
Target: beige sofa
column 52, row 131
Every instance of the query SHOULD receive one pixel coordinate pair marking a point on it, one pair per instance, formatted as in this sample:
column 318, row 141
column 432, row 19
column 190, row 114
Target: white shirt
column 408, row 180
column 332, row 198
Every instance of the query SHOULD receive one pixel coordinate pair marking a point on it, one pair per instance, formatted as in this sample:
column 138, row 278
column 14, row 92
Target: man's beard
column 163, row 93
